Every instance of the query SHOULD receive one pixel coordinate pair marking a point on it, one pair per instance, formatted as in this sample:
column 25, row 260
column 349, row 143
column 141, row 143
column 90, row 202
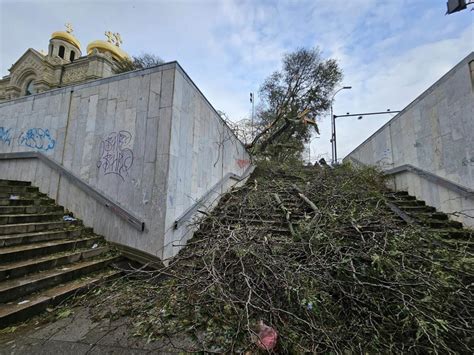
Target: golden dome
column 66, row 36
column 106, row 46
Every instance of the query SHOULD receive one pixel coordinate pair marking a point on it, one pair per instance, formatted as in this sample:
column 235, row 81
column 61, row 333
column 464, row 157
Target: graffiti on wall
column 37, row 138
column 242, row 163
column 114, row 155
column 5, row 136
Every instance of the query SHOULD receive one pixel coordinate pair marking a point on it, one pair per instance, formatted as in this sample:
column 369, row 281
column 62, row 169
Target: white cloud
column 390, row 51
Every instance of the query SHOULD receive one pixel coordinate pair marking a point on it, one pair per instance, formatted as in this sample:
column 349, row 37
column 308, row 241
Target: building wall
column 129, row 116
column 203, row 150
column 435, row 133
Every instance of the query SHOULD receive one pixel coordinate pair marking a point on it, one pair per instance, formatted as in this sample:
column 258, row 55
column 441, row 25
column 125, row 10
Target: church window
column 61, row 51
column 52, row 49
column 30, row 88
column 72, row 55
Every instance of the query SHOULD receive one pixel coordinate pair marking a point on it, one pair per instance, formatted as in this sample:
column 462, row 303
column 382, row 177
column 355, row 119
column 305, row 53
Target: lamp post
column 333, row 126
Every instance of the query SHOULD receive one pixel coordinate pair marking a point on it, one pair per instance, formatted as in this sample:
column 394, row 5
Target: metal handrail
column 462, row 190
column 191, row 210
column 81, row 184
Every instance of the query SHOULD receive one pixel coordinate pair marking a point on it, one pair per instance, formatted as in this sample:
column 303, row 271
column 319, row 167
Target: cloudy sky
column 390, row 50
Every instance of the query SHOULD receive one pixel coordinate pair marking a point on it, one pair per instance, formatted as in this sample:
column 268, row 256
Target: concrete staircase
column 43, row 258
column 428, row 217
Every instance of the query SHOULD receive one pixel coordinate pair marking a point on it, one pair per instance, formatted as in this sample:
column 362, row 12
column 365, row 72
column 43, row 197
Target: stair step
column 4, row 182
column 21, row 310
column 26, row 251
column 26, row 202
column 254, row 221
column 34, row 227
column 435, row 223
column 31, row 209
column 24, row 238
column 29, row 194
column 16, row 288
column 20, row 268
column 460, row 234
column 17, row 189
column 440, row 216
column 408, row 203
column 416, row 209
column 25, row 218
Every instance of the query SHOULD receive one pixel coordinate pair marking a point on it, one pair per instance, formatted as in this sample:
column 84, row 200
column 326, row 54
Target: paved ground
column 78, row 334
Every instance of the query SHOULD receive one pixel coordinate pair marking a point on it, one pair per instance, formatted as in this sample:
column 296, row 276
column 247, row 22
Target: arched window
column 72, row 55
column 61, row 51
column 30, row 88
column 51, row 51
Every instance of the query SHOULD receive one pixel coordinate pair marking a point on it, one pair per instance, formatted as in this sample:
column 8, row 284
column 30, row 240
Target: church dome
column 110, row 46
column 67, row 37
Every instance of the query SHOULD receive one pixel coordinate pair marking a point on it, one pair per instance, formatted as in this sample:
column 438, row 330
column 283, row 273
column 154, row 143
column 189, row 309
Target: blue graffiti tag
column 5, row 135
column 37, row 138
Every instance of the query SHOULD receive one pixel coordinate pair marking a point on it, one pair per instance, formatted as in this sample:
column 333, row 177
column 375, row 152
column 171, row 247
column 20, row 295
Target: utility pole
column 333, row 126
column 252, row 100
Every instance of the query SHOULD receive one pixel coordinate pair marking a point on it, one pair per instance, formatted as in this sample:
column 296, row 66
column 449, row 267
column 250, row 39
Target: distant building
column 36, row 72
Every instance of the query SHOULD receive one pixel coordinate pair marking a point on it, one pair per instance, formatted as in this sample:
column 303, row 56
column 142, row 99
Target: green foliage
column 353, row 279
column 293, row 98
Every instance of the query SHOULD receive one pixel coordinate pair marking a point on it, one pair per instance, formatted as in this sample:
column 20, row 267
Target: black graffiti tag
column 114, row 156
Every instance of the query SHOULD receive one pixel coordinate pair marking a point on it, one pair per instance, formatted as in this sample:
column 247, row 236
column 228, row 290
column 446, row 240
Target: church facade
column 64, row 64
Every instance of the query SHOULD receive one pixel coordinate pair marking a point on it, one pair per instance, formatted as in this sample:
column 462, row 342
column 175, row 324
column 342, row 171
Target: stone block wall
column 148, row 140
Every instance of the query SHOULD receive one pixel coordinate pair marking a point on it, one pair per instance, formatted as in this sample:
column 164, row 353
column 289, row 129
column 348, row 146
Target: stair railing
column 81, row 184
column 216, row 188
column 450, row 185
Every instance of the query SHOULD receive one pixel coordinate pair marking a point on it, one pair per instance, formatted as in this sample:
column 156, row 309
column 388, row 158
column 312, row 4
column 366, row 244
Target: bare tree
column 142, row 61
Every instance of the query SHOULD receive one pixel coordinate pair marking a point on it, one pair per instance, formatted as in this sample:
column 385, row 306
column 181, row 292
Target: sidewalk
column 78, row 334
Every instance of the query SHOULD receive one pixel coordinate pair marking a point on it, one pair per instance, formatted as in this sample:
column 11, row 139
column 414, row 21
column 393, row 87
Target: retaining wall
column 435, row 133
column 148, row 140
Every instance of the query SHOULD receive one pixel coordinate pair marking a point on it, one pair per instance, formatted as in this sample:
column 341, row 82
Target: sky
column 389, row 50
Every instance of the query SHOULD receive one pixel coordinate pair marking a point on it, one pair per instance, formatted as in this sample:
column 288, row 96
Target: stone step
column 29, row 218
column 409, row 203
column 245, row 214
column 26, row 251
column 19, row 287
column 22, row 309
column 17, row 228
column 18, row 189
column 17, row 269
column 457, row 234
column 270, row 229
column 416, row 209
column 28, row 194
column 25, row 238
column 402, row 198
column 245, row 221
column 435, row 223
column 32, row 209
column 428, row 215
column 14, row 182
column 26, row 202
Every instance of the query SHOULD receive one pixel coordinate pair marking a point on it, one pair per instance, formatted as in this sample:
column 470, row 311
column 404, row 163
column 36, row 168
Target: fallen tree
column 350, row 277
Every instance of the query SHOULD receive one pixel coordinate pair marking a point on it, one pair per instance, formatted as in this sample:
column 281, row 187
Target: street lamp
column 333, row 126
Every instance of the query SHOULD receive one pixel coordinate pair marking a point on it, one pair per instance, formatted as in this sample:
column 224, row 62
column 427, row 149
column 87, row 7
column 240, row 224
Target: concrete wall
column 203, row 150
column 144, row 139
column 435, row 133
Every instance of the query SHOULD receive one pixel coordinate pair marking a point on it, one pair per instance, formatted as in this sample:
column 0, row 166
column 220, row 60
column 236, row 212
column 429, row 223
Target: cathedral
column 64, row 64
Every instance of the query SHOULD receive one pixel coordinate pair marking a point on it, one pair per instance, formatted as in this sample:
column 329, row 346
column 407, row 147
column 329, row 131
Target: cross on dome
column 69, row 28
